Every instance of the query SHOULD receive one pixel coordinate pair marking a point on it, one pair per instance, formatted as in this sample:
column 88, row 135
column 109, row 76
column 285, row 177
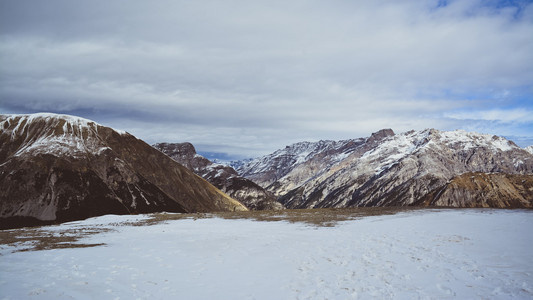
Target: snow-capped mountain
column 43, row 133
column 388, row 169
column 221, row 176
column 296, row 162
column 59, row 168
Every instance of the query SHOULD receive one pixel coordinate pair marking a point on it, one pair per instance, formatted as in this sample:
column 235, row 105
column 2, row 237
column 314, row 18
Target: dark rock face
column 380, row 135
column 61, row 168
column 388, row 169
column 223, row 177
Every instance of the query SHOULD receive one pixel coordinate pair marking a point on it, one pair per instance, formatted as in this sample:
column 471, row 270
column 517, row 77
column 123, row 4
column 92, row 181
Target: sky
column 242, row 78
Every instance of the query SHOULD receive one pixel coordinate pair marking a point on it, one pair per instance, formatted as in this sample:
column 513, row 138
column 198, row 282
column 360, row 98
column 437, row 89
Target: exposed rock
column 185, row 154
column 483, row 190
column 223, row 177
column 60, row 168
column 382, row 170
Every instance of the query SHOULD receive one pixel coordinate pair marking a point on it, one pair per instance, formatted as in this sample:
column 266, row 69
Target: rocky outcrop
column 384, row 169
column 60, row 168
column 223, row 177
column 483, row 190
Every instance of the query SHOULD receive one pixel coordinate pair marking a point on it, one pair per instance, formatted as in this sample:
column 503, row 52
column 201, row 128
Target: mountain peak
column 56, row 134
column 176, row 148
column 381, row 134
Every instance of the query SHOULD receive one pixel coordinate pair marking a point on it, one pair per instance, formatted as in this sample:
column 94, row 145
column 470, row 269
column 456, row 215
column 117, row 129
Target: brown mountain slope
column 484, row 190
column 59, row 168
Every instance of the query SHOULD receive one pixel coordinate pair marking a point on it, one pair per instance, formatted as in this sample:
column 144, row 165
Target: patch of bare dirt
column 35, row 238
column 327, row 217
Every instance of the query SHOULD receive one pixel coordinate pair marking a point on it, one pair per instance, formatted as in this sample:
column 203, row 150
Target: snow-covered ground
column 424, row 254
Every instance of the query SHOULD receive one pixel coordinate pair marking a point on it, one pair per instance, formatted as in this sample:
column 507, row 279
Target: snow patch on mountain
column 469, row 140
column 276, row 166
column 25, row 119
column 392, row 150
column 529, row 149
column 54, row 134
column 291, row 155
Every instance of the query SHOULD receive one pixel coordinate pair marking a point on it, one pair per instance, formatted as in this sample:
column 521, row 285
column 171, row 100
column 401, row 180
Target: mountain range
column 56, row 168
column 428, row 168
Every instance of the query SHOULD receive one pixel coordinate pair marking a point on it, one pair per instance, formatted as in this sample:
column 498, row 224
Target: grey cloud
column 267, row 73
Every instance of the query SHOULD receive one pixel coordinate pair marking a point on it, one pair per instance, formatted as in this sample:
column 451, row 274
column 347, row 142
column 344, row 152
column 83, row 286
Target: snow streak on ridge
column 46, row 133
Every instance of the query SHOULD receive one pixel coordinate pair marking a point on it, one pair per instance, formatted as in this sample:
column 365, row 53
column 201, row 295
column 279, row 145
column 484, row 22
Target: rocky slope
column 60, row 168
column 384, row 169
column 223, row 177
column 483, row 190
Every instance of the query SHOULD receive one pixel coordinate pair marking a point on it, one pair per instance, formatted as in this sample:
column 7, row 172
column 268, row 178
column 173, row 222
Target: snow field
column 428, row 254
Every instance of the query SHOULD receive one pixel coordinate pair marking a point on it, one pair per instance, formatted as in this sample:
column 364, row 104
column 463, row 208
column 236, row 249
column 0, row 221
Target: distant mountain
column 386, row 169
column 221, row 176
column 60, row 168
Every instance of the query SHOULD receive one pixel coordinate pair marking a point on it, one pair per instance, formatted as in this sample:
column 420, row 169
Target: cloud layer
column 248, row 77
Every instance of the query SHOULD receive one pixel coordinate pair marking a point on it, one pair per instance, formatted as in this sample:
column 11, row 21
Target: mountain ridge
column 382, row 170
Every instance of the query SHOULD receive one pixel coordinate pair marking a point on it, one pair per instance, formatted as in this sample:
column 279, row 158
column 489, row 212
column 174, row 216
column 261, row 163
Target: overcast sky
column 248, row 77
